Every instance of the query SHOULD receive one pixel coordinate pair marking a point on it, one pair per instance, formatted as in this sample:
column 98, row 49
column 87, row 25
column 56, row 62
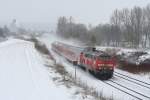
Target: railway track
column 145, row 84
column 122, row 90
column 129, row 90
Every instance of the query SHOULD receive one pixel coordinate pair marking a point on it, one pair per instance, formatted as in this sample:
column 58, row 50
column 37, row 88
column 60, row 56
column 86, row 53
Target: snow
column 144, row 57
column 23, row 75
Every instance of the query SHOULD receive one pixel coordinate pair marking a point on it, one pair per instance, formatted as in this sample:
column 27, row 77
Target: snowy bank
column 23, row 75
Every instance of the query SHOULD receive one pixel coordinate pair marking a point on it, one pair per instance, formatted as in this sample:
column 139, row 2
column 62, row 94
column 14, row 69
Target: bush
column 40, row 47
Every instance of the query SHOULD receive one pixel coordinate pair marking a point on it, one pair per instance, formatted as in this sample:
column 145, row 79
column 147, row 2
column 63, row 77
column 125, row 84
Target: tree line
column 4, row 31
column 126, row 28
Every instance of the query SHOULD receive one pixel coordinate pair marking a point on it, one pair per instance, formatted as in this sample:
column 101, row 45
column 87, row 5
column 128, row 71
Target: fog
column 48, row 11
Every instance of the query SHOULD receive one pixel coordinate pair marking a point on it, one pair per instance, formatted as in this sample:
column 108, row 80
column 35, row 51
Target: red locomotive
column 96, row 62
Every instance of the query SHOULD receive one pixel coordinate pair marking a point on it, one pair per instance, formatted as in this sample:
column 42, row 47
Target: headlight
column 109, row 65
column 101, row 64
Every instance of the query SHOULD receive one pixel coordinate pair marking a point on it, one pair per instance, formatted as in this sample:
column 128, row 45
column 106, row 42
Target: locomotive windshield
column 104, row 57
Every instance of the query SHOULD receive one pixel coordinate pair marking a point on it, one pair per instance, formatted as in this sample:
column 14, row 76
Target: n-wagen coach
column 98, row 63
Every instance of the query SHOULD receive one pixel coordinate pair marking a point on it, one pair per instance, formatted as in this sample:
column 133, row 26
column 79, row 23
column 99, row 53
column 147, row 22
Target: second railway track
column 131, row 79
column 130, row 86
column 126, row 90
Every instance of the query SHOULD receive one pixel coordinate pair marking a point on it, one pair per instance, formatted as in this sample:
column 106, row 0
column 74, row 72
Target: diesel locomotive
column 97, row 62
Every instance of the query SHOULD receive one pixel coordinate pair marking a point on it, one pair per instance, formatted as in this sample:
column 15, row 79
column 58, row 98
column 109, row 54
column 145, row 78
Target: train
column 98, row 63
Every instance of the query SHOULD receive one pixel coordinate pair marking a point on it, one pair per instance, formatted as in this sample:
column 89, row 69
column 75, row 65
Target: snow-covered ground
column 88, row 79
column 23, row 75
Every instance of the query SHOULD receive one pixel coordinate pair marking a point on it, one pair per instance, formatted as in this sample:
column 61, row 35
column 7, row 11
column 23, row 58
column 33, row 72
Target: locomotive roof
column 97, row 53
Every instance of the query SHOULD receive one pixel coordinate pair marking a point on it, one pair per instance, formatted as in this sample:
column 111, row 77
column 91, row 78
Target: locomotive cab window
column 89, row 56
column 86, row 55
column 104, row 57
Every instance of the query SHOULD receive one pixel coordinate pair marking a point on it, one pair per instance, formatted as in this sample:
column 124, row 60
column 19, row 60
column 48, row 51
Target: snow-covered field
column 23, row 75
column 100, row 86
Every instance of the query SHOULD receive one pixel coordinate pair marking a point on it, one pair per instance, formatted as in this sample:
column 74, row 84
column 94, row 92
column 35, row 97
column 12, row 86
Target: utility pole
column 75, row 72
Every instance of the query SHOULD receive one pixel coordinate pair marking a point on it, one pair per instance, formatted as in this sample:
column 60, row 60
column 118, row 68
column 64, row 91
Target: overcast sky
column 85, row 11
